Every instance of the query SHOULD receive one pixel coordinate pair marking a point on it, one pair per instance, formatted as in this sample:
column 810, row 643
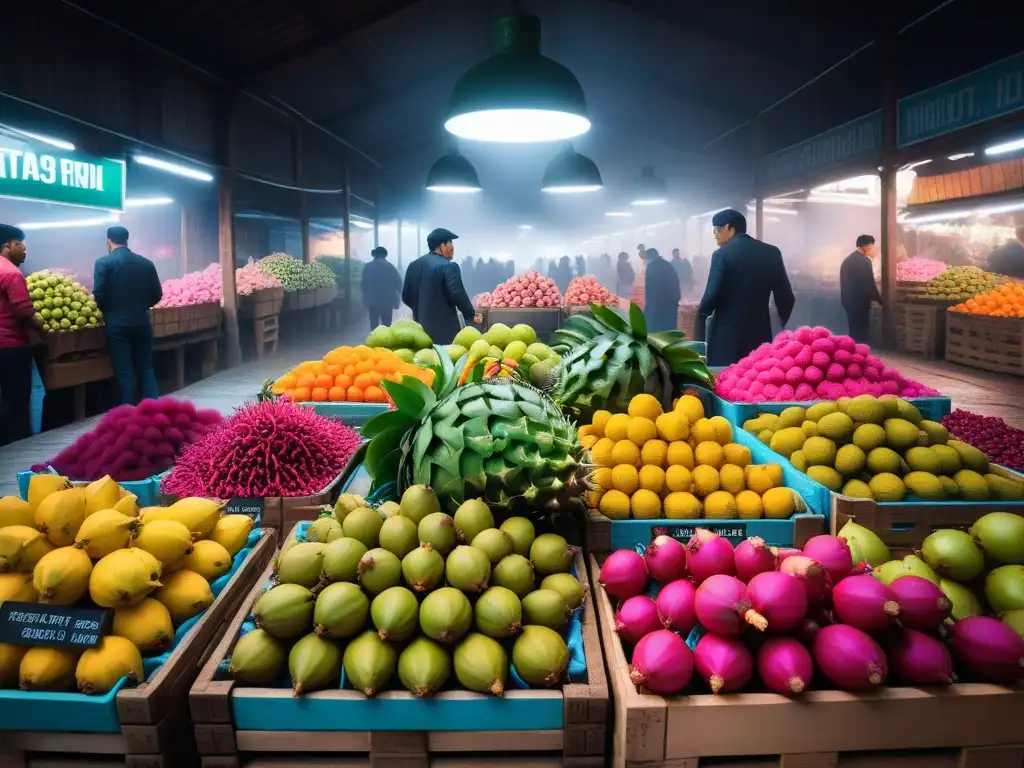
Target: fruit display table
column 543, row 320
column 298, row 300
column 986, row 343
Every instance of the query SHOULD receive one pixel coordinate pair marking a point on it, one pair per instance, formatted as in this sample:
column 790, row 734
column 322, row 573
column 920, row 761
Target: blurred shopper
column 382, row 288
column 126, row 285
column 858, row 290
column 661, row 293
column 17, row 319
column 1008, row 259
column 563, row 274
column 581, row 265
column 434, row 291
column 745, row 275
column 605, row 272
column 624, row 277
column 684, row 272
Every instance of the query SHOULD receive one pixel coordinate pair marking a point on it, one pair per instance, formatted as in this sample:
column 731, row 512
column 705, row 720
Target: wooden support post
column 890, row 227
column 226, row 230
column 303, row 197
column 346, row 213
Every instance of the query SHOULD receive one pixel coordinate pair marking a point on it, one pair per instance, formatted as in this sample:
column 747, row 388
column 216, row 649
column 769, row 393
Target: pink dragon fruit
column 531, row 289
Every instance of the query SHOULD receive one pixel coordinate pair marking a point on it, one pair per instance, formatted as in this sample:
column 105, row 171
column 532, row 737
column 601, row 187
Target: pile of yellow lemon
column 652, row 464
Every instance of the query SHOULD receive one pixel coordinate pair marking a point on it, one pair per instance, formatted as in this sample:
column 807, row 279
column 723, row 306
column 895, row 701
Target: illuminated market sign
column 984, row 94
column 860, row 138
column 55, row 176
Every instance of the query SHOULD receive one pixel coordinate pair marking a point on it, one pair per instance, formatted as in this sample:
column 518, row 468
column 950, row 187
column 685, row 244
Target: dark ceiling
column 664, row 79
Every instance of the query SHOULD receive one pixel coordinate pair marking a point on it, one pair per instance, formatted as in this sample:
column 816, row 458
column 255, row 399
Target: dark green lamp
column 571, row 173
column 453, row 173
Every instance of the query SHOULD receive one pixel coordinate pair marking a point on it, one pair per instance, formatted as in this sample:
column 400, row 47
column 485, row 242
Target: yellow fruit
column 122, row 578
column 625, row 478
column 60, row 515
column 584, row 431
column 42, row 485
column 760, row 478
column 185, row 594
column 128, row 505
column 61, row 577
column 589, row 441
column 640, row 430
column 147, row 624
column 723, row 429
column 47, row 669
column 705, row 480
column 827, row 477
column 166, row 540
column 793, row 416
column 788, row 441
column 731, row 479
column 645, row 505
column 198, row 515
column 702, row 431
column 887, row 487
column 601, row 453
column 616, row 427
column 17, row 587
column 103, row 532
column 232, row 532
column 680, row 454
column 625, row 452
column 645, row 406
column 10, row 663
column 749, row 506
column 679, row 479
column 101, row 667
column 709, row 453
column 682, row 506
column 593, row 498
column 691, row 407
column 780, row 503
column 600, row 422
column 209, row 559
column 720, row 505
column 652, row 478
column 101, row 494
column 737, row 454
column 654, row 453
column 673, row 426
column 615, row 505
column 602, row 477
column 21, row 547
column 14, row 511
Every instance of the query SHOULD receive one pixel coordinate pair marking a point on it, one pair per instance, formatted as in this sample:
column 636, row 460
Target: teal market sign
column 35, row 172
column 984, row 94
column 857, row 139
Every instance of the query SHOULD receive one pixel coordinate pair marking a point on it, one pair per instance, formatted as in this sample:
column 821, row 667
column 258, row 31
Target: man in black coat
column 434, row 291
column 684, row 270
column 745, row 274
column 857, row 289
column 661, row 293
column 381, row 287
column 1008, row 259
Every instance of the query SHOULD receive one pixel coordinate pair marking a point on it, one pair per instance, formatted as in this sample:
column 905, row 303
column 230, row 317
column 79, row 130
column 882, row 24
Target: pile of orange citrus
column 1005, row 301
column 347, row 375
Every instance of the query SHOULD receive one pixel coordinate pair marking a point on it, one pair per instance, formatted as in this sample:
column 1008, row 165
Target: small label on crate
column 52, row 625
column 252, row 507
column 735, row 532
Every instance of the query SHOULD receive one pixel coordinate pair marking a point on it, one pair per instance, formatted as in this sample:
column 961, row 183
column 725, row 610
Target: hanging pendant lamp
column 517, row 95
column 571, row 173
column 650, row 189
column 453, row 173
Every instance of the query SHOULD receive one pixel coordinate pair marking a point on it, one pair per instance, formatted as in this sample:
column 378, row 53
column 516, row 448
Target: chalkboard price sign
column 252, row 507
column 56, row 626
column 735, row 532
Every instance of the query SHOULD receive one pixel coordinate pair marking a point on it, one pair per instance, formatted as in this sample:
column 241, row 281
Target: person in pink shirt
column 17, row 320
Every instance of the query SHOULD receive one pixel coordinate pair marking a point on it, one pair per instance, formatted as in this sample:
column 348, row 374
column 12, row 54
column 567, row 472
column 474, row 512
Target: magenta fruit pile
column 991, row 435
column 134, row 442
column 531, row 289
column 265, row 449
column 585, row 290
column 781, row 616
column 812, row 364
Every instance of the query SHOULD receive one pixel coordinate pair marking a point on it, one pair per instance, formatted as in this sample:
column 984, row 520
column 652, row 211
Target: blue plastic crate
column 353, row 414
column 147, row 491
column 933, row 408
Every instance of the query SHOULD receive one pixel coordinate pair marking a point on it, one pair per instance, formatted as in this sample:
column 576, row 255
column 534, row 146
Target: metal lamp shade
column 571, row 172
column 453, row 173
column 650, row 189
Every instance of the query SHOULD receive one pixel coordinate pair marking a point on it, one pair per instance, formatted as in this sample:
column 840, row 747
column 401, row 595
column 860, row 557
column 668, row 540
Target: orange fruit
column 375, row 395
column 336, row 394
column 376, row 377
column 306, row 381
column 350, row 370
column 286, row 382
column 364, row 367
column 343, row 381
column 319, row 395
column 355, row 395
column 300, row 395
column 324, row 381
column 364, row 380
column 289, row 394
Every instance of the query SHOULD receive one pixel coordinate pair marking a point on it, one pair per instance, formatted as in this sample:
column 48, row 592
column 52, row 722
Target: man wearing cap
column 661, row 293
column 382, row 288
column 745, row 274
column 126, row 285
column 434, row 291
column 17, row 318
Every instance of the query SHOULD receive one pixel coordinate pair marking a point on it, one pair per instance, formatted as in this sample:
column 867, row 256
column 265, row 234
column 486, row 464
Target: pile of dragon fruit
column 133, row 442
column 482, row 300
column 205, row 286
column 813, row 364
column 585, row 290
column 919, row 270
column 991, row 435
column 724, row 615
column 531, row 289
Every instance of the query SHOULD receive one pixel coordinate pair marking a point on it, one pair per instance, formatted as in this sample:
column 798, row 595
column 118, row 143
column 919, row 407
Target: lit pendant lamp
column 570, row 173
column 453, row 173
column 650, row 189
column 517, row 95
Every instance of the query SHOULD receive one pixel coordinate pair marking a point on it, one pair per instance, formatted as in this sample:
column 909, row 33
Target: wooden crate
column 906, row 291
column 917, row 329
column 544, row 320
column 264, row 303
column 166, row 321
column 962, row 726
column 580, row 742
column 155, row 729
column 266, row 335
column 325, row 295
column 205, row 317
column 83, row 341
column 987, row 343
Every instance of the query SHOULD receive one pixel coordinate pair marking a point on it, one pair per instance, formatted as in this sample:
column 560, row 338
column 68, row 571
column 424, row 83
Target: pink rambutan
column 770, row 391
column 821, row 359
column 862, row 349
column 794, row 376
column 786, row 393
column 804, row 392
column 803, row 357
column 854, row 371
column 814, row 375
column 835, row 372
column 805, row 335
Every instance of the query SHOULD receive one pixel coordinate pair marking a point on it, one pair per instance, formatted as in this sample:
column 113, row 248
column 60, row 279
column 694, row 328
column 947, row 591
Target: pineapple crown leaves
column 266, row 393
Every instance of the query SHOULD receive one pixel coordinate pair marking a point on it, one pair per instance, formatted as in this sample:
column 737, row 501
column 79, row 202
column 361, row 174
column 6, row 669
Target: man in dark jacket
column 382, row 288
column 661, row 292
column 17, row 320
column 1008, row 259
column 624, row 277
column 745, row 274
column 126, row 285
column 684, row 272
column 434, row 291
column 857, row 288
